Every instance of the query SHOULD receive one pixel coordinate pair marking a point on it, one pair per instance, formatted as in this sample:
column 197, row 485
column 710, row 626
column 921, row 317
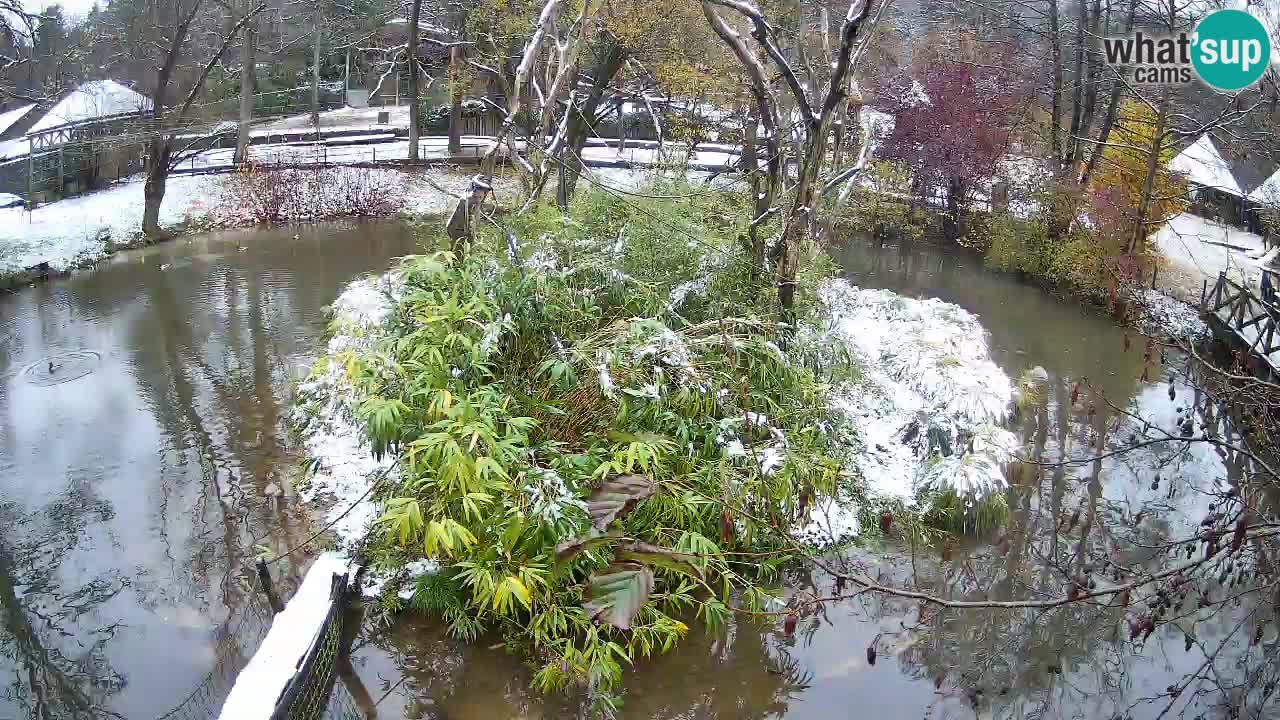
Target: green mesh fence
column 310, row 694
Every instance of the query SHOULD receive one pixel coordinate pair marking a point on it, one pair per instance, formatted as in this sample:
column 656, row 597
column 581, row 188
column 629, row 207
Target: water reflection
column 131, row 499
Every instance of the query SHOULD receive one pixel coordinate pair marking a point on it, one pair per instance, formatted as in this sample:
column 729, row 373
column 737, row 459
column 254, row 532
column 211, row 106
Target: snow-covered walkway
column 1197, row 250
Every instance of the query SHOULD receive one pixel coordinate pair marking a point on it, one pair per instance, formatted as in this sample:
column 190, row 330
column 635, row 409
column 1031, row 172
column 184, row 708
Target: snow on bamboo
column 343, row 465
column 930, row 404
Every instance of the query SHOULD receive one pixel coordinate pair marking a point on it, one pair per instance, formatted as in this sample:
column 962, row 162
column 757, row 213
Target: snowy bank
column 293, row 632
column 79, row 231
column 929, row 406
column 1162, row 316
column 343, row 467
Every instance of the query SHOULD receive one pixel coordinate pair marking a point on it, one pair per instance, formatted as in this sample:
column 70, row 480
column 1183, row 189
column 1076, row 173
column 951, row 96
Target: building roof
column 95, row 100
column 1203, row 165
column 10, row 117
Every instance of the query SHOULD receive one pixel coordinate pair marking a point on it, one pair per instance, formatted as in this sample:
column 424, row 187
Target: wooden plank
column 1223, row 303
column 1256, row 319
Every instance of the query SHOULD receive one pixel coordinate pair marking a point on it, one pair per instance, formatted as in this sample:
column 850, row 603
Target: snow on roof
column 13, row 116
column 95, row 100
column 1268, row 193
column 1203, row 165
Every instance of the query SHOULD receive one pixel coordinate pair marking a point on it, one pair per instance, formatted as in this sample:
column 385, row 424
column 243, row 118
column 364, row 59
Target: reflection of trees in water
column 49, row 631
column 1097, row 521
column 742, row 674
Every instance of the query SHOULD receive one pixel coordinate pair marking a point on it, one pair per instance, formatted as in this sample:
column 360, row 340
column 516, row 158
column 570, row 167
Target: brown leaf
column 616, row 497
column 570, row 549
column 658, row 557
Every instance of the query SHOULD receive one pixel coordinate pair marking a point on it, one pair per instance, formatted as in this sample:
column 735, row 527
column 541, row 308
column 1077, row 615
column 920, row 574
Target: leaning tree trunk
column 413, row 79
column 248, row 80
column 580, row 117
column 157, row 174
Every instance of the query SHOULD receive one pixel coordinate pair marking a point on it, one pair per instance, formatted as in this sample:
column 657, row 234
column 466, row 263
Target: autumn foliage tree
column 1122, row 176
column 952, row 125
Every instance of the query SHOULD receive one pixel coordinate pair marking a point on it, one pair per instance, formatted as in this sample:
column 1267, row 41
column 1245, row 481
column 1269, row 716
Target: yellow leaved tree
column 1134, row 191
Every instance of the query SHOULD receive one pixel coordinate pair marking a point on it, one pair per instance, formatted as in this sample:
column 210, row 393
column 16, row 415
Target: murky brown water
column 141, row 409
column 131, row 502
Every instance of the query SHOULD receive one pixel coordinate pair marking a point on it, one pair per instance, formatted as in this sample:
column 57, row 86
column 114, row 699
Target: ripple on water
column 61, row 368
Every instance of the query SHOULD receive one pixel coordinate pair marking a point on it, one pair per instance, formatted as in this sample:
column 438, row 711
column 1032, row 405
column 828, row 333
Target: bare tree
column 800, row 224
column 183, row 30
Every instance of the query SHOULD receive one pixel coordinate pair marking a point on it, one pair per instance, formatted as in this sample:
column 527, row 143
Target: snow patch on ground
column 292, row 634
column 1198, row 250
column 79, row 231
column 1163, row 316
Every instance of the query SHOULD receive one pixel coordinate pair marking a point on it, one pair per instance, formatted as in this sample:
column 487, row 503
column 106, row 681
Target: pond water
column 141, row 409
column 1071, row 663
column 133, row 501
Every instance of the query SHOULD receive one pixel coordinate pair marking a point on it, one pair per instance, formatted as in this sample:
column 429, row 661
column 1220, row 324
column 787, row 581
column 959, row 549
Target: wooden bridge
column 1238, row 315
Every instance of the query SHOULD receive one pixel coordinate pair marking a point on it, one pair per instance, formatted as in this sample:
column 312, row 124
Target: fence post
column 264, row 579
column 1204, row 294
column 31, row 193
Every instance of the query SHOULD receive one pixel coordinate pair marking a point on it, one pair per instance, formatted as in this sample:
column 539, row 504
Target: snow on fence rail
column 291, row 675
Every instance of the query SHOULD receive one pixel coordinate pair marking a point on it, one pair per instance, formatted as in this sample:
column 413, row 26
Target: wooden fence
column 1250, row 321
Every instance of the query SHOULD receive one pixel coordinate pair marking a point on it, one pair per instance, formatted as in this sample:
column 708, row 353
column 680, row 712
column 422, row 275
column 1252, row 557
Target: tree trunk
column 157, row 174
column 606, row 67
column 315, row 73
column 951, row 218
column 455, row 100
column 413, row 79
column 759, row 198
column 1056, row 92
column 1154, row 167
column 248, row 78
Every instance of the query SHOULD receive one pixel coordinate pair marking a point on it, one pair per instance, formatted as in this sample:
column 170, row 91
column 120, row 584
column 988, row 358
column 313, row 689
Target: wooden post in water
column 264, row 579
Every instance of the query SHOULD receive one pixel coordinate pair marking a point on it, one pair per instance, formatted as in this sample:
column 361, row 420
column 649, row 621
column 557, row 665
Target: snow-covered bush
column 930, row 402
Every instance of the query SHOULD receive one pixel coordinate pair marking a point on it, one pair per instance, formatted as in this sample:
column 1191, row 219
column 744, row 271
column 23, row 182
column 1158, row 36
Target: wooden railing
column 1252, row 321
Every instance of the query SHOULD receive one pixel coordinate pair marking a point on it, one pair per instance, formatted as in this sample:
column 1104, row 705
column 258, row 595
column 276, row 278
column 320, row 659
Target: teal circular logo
column 1231, row 49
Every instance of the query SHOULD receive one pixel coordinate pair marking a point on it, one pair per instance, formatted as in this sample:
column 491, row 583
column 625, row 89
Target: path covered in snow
column 1198, row 249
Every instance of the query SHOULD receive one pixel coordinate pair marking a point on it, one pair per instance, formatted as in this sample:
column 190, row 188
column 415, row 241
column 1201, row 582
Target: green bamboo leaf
column 618, row 593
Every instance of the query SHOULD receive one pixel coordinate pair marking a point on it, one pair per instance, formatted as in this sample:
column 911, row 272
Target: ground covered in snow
column 1197, row 250
column 81, row 230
